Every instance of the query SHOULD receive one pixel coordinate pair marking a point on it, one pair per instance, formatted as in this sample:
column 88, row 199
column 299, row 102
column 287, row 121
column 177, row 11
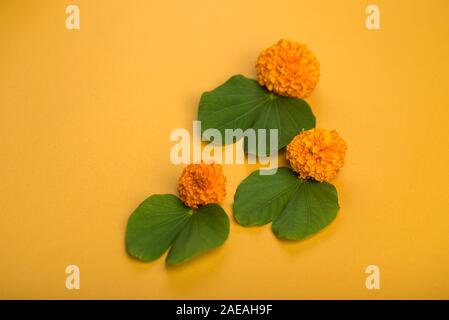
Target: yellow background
column 85, row 118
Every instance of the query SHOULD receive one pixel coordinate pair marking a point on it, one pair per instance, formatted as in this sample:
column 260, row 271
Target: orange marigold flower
column 288, row 69
column 316, row 154
column 201, row 184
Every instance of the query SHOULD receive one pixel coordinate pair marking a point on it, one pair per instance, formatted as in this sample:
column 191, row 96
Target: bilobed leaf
column 163, row 220
column 298, row 208
column 207, row 229
column 154, row 225
column 241, row 103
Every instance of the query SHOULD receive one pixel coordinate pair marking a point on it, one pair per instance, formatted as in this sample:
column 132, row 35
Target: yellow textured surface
column 85, row 118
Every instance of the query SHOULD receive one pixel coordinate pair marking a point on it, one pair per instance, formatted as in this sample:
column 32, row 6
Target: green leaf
column 241, row 103
column 154, row 225
column 207, row 229
column 163, row 220
column 259, row 198
column 298, row 208
column 311, row 208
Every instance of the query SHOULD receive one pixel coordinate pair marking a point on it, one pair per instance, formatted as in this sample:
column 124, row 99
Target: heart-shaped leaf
column 298, row 208
column 241, row 103
column 163, row 220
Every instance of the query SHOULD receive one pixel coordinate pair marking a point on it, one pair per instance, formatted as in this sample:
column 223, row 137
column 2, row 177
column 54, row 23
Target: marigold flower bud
column 316, row 154
column 288, row 69
column 201, row 184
